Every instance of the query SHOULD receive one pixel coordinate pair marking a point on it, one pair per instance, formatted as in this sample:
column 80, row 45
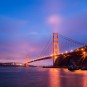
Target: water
column 41, row 77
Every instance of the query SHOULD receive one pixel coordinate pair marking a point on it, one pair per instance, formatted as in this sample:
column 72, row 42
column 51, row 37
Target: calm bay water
column 41, row 77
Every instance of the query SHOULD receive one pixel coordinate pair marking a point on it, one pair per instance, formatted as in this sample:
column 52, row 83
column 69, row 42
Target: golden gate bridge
column 57, row 45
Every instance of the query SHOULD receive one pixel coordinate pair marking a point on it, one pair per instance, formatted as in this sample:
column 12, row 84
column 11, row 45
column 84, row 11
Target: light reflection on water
column 54, row 78
column 65, row 78
column 41, row 77
column 85, row 79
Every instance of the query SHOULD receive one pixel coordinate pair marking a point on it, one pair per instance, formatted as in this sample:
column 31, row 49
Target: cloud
column 54, row 21
column 18, row 50
column 8, row 24
column 33, row 33
column 76, row 24
column 10, row 29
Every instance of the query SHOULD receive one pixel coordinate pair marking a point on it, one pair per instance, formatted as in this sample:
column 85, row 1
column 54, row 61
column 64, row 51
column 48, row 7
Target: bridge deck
column 38, row 59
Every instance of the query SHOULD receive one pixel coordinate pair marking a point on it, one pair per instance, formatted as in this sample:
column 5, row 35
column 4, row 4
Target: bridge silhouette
column 57, row 45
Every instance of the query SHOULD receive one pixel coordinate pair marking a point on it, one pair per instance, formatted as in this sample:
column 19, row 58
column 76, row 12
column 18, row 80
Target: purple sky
column 26, row 25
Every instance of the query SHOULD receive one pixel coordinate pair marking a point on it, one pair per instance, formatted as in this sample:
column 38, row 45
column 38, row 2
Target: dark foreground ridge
column 78, row 57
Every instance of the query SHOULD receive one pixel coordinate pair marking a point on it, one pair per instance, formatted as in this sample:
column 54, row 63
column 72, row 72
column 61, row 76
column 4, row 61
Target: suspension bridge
column 58, row 44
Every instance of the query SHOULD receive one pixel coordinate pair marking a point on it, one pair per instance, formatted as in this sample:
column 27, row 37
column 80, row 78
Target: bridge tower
column 55, row 47
column 27, row 60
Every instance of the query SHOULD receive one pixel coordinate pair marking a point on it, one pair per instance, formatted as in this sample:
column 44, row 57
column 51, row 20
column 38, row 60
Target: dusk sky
column 26, row 25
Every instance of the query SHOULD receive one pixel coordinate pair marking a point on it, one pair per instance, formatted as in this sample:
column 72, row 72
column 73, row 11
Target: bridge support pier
column 27, row 60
